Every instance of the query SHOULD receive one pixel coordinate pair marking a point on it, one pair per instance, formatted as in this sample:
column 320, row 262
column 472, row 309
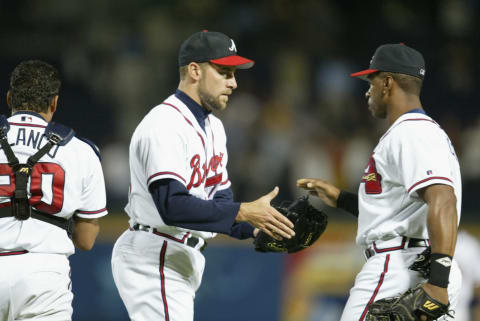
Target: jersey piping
column 380, row 282
column 188, row 121
column 165, row 173
column 409, row 119
column 427, row 179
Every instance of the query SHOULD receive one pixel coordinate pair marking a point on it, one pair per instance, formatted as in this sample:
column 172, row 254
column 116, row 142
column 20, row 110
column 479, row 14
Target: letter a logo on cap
column 232, row 47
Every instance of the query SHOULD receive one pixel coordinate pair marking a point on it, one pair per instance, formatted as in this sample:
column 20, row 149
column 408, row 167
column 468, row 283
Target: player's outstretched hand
column 263, row 216
column 320, row 188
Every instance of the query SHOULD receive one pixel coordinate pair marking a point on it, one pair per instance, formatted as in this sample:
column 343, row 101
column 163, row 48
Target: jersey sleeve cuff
column 164, row 175
column 92, row 214
column 429, row 181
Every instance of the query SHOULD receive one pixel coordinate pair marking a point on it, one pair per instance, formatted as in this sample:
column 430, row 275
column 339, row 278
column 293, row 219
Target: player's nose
column 232, row 83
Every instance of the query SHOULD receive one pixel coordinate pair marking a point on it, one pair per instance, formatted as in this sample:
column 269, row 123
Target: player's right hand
column 320, row 188
column 262, row 215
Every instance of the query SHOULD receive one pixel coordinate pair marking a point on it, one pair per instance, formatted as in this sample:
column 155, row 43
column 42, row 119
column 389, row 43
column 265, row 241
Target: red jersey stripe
column 427, row 179
column 165, row 173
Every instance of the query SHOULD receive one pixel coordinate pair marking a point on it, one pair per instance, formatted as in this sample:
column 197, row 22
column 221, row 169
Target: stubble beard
column 209, row 101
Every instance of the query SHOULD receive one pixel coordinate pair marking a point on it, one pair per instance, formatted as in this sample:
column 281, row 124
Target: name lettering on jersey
column 372, row 179
column 34, row 140
column 200, row 173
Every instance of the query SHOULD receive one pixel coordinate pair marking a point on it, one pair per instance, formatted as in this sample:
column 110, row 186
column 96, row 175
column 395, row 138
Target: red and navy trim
column 429, row 178
column 92, row 212
column 182, row 240
column 188, row 121
column 162, row 280
column 165, row 173
column 377, row 289
column 28, row 125
column 409, row 119
column 394, row 248
column 13, row 253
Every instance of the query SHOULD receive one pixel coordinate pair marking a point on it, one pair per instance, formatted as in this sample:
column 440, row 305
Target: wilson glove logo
column 429, row 305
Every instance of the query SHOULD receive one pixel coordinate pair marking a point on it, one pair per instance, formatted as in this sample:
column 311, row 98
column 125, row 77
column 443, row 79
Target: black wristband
column 348, row 202
column 440, row 269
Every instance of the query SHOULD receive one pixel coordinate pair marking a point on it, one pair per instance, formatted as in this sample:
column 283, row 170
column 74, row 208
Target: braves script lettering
column 199, row 174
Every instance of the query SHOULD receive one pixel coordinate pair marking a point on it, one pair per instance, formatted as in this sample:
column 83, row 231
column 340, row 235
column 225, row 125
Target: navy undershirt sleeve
column 349, row 202
column 241, row 230
column 179, row 208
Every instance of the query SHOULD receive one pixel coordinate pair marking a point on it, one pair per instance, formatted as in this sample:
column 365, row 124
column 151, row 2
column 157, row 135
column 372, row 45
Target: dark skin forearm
column 442, row 228
column 442, row 218
column 86, row 231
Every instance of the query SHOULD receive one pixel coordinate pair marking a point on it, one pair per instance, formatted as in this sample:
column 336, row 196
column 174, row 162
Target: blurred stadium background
column 295, row 114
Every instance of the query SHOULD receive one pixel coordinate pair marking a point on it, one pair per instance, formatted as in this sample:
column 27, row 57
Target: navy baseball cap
column 211, row 46
column 397, row 58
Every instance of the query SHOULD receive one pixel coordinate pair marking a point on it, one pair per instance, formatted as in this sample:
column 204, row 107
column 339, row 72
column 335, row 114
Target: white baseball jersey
column 67, row 181
column 414, row 153
column 467, row 254
column 169, row 143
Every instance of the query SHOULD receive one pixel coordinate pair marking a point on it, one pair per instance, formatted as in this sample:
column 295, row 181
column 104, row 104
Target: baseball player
column 410, row 193
column 52, row 193
column 180, row 193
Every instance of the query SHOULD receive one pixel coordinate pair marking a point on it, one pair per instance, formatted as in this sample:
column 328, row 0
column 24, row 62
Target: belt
column 405, row 243
column 188, row 239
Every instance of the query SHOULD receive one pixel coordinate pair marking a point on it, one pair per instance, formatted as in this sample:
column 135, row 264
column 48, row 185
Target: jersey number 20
column 43, row 174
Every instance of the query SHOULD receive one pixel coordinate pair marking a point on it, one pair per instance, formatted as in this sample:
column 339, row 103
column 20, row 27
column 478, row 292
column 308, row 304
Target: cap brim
column 364, row 74
column 237, row 61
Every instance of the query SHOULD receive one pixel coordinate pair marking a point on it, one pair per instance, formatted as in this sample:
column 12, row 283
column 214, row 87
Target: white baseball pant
column 35, row 286
column 156, row 277
column 386, row 274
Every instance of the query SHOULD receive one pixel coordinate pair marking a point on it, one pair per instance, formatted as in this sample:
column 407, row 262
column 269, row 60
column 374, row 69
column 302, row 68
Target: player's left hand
column 414, row 304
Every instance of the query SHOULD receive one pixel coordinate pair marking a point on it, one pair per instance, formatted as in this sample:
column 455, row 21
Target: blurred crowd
column 297, row 113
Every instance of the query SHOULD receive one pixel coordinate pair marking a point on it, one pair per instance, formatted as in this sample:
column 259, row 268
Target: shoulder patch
column 94, row 147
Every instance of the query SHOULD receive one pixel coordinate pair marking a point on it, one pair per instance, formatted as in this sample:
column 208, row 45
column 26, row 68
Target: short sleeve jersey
column 170, row 144
column 414, row 153
column 65, row 182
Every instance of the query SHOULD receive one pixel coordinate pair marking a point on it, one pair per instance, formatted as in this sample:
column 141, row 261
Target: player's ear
column 9, row 99
column 194, row 70
column 53, row 105
column 388, row 82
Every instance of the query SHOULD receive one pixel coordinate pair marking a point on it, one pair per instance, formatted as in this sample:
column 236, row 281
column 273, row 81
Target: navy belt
column 406, row 243
column 191, row 241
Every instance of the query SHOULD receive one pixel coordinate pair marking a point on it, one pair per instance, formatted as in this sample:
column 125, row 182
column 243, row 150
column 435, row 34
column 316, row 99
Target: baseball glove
column 309, row 224
column 422, row 263
column 410, row 306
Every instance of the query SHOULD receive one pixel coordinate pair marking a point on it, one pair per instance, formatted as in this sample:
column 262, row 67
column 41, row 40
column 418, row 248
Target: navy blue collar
column 417, row 110
column 28, row 112
column 198, row 111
